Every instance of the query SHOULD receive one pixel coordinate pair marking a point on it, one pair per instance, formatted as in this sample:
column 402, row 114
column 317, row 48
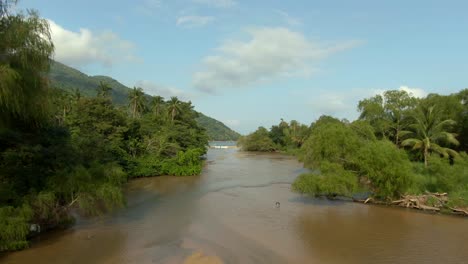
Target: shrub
column 387, row 167
column 14, row 227
column 331, row 181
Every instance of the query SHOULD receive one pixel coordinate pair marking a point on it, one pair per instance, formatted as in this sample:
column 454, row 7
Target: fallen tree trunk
column 433, row 202
column 460, row 211
column 428, row 202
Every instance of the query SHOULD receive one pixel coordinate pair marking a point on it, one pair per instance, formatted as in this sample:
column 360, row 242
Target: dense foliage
column 60, row 149
column 285, row 137
column 399, row 145
column 258, row 141
column 73, row 81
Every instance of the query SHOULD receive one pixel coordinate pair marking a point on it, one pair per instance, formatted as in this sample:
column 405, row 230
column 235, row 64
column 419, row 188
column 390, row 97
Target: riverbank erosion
column 228, row 215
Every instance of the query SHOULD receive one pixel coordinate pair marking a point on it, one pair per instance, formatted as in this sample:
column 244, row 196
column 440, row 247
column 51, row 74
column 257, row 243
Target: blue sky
column 250, row 63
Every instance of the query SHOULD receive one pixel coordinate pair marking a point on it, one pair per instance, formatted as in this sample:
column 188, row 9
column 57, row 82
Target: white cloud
column 291, row 21
column 269, row 53
column 164, row 91
column 194, row 21
column 86, row 47
column 416, row 92
column 217, row 3
column 343, row 104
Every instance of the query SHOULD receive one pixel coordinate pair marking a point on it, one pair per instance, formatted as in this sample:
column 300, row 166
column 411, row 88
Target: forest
column 61, row 151
column 401, row 150
column 67, row 78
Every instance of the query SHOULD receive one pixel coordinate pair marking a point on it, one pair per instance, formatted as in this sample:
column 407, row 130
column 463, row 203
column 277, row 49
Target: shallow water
column 228, row 215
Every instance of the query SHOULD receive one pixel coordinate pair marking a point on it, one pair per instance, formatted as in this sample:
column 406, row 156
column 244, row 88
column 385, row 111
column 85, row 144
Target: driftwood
column 460, row 211
column 427, row 202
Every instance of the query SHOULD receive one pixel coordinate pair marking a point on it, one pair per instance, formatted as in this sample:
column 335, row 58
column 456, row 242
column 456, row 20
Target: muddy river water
column 228, row 215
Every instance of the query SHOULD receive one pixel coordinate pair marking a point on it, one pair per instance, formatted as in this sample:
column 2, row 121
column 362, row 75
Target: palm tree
column 294, row 126
column 77, row 95
column 428, row 131
column 103, row 90
column 157, row 103
column 26, row 49
column 137, row 101
column 174, row 107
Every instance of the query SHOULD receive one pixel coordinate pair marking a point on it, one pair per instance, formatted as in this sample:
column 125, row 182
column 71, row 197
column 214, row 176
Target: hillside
column 68, row 78
column 217, row 130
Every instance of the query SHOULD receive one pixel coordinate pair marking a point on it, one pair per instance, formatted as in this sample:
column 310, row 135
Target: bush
column 258, row 141
column 333, row 180
column 459, row 197
column 387, row 167
column 330, row 141
column 146, row 166
column 14, row 227
column 186, row 163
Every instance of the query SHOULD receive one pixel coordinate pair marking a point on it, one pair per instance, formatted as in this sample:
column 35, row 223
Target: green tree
column 25, row 52
column 277, row 133
column 397, row 106
column 388, row 113
column 258, row 141
column 332, row 141
column 372, row 111
column 429, row 131
column 387, row 167
column 174, row 107
column 104, row 90
column 137, row 101
column 157, row 105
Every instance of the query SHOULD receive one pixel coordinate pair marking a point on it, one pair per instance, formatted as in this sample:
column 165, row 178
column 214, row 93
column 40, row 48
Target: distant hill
column 68, row 78
column 217, row 130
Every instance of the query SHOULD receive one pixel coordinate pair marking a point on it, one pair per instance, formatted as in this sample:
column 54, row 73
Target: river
column 228, row 215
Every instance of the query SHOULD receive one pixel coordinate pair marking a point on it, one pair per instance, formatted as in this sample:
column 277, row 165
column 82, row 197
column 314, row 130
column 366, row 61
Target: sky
column 250, row 63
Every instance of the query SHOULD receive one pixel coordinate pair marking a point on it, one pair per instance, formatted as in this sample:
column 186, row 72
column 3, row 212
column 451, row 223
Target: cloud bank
column 86, row 47
column 162, row 90
column 267, row 54
column 344, row 103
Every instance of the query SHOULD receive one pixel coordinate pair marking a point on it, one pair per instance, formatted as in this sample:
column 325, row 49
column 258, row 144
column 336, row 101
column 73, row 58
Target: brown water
column 228, row 215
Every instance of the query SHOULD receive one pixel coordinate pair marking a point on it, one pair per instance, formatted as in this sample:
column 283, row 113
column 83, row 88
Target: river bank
column 228, row 215
column 430, row 202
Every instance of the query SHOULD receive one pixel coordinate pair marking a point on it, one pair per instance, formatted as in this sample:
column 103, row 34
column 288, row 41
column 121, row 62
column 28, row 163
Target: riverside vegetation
column 402, row 150
column 60, row 150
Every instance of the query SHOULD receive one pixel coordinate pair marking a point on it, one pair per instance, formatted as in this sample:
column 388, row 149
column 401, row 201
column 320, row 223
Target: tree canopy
column 60, row 149
column 381, row 153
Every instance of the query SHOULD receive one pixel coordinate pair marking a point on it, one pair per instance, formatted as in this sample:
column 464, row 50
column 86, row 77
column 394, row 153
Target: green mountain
column 68, row 78
column 217, row 130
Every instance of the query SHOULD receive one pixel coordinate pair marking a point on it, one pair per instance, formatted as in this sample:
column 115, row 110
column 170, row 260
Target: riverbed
column 229, row 215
